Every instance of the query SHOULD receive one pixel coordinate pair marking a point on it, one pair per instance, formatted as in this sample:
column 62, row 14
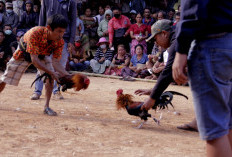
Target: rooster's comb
column 119, row 92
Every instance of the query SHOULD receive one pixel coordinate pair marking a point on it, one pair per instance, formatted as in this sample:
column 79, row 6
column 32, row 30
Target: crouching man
column 42, row 47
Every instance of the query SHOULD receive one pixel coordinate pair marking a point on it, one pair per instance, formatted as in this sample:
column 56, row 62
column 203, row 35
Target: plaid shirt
column 36, row 40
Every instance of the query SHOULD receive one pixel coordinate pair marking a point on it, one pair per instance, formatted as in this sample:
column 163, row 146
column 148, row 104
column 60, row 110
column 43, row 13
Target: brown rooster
column 76, row 81
column 125, row 101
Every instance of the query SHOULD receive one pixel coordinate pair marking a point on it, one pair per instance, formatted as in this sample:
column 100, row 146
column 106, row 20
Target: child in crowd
column 120, row 60
column 103, row 56
column 137, row 64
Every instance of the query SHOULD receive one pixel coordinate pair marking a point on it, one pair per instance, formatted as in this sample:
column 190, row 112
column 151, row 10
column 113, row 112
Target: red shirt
column 122, row 22
column 36, row 40
column 137, row 29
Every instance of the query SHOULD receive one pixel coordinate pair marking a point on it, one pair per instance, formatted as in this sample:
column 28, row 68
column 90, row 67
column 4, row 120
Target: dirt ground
column 88, row 124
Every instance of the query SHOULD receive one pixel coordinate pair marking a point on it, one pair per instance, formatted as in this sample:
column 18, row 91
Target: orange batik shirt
column 36, row 40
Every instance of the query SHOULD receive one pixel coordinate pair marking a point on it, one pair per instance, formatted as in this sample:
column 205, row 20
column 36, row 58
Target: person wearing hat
column 133, row 14
column 164, row 35
column 103, row 56
column 10, row 17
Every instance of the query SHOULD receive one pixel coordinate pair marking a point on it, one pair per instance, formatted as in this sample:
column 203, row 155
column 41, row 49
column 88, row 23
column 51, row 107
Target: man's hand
column 178, row 69
column 55, row 76
column 148, row 104
column 143, row 92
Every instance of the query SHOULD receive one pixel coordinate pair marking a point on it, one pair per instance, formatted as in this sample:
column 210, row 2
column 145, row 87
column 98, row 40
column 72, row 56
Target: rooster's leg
column 141, row 125
column 156, row 120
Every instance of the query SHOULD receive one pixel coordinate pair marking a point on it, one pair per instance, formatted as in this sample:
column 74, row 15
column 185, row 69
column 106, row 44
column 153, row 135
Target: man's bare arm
column 58, row 67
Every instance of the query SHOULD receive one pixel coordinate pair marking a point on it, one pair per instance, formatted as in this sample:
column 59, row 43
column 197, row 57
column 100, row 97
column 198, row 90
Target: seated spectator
column 27, row 18
column 138, row 33
column 9, row 36
column 102, row 58
column 107, row 7
column 102, row 30
column 90, row 28
column 14, row 44
column 120, row 60
column 89, row 25
column 78, row 58
column 177, row 18
column 148, row 21
column 154, row 56
column 161, row 15
column 18, row 6
column 2, row 11
column 5, row 52
column 137, row 63
column 117, row 28
column 98, row 18
column 171, row 14
column 10, row 17
column 160, row 64
column 36, row 10
column 79, row 28
column 133, row 14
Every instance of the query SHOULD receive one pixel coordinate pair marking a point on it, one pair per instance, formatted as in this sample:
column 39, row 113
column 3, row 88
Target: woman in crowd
column 137, row 64
column 103, row 56
column 120, row 60
column 138, row 33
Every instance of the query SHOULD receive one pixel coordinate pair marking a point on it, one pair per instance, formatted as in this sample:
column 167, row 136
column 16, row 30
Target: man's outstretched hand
column 143, row 92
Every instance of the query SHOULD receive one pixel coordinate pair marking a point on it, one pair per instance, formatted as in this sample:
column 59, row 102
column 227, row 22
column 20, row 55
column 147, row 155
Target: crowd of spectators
column 110, row 40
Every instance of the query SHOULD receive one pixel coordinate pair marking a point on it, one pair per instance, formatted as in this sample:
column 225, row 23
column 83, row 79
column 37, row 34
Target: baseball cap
column 133, row 12
column 159, row 26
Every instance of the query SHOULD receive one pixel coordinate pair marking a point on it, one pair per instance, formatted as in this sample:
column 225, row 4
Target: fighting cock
column 134, row 108
column 76, row 81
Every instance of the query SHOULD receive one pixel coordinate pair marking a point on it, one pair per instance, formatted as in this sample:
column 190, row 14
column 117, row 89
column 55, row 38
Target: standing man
column 117, row 29
column 36, row 47
column 68, row 9
column 205, row 36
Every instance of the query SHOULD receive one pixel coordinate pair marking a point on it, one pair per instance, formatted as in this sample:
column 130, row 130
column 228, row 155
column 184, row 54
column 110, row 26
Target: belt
column 212, row 36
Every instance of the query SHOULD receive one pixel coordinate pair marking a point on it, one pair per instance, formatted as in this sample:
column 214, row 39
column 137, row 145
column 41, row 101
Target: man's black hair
column 116, row 8
column 7, row 25
column 57, row 20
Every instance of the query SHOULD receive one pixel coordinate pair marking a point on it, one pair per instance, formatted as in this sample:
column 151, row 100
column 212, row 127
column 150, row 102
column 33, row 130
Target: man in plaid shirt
column 42, row 47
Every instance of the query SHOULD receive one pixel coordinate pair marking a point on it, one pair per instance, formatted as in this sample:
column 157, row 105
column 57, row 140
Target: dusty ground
column 88, row 124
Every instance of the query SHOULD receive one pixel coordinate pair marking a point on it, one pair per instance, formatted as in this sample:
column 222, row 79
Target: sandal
column 187, row 127
column 50, row 112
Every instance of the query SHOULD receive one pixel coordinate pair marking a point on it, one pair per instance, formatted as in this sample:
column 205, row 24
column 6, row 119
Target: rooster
column 76, row 81
column 125, row 101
